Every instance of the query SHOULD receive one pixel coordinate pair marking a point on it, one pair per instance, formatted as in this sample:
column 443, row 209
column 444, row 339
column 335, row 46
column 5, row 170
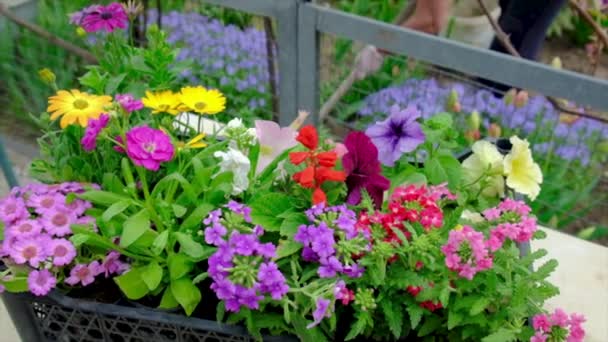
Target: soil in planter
column 102, row 291
column 206, row 309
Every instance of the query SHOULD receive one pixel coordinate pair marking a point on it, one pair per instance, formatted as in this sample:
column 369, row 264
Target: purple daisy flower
column 24, row 228
column 62, row 251
column 108, row 18
column 28, row 250
column 40, row 283
column 13, row 209
column 43, row 203
column 400, row 133
column 58, row 223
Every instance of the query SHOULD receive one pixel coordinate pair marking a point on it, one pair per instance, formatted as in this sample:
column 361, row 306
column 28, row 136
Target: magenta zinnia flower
column 128, row 102
column 95, row 126
column 62, row 251
column 363, row 169
column 149, row 147
column 41, row 282
column 106, row 18
column 400, row 133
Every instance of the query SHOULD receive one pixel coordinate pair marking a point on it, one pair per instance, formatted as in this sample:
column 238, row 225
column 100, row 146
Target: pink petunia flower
column 28, row 250
column 62, row 251
column 108, row 18
column 84, row 274
column 41, row 282
column 149, row 147
column 273, row 139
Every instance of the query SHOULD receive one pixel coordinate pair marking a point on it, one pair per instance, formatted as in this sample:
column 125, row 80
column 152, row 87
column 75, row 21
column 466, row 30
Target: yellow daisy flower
column 202, row 100
column 194, row 142
column 76, row 107
column 162, row 102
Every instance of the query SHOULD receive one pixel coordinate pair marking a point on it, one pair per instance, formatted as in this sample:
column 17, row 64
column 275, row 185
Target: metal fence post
column 287, row 32
column 308, row 60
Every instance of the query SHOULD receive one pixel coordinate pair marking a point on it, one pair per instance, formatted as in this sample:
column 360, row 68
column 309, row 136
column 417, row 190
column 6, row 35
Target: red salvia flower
column 319, row 165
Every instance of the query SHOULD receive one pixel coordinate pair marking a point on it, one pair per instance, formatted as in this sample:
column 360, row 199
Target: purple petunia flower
column 40, row 283
column 400, row 133
column 94, row 127
column 62, row 251
column 321, row 311
column 149, row 147
column 363, row 169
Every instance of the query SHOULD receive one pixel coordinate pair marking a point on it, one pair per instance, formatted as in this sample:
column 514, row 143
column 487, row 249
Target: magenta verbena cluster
column 333, row 241
column 466, row 252
column 242, row 269
column 512, row 221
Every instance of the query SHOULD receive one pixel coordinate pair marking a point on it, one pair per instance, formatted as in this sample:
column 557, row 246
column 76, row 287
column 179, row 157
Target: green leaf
column 186, row 186
column 132, row 284
column 431, row 323
column 113, row 83
column 160, row 242
column 454, row 318
column 501, row 335
column 134, row 227
column 415, row 312
column 358, row 327
column 545, row 270
column 79, row 239
column 220, row 186
column 196, row 217
column 152, row 274
column 443, row 168
column 103, row 197
column 287, row 248
column 186, row 294
column 290, row 225
column 115, row 209
column 200, row 277
column 179, row 210
column 393, row 315
column 93, row 79
column 179, row 265
column 16, row 284
column 265, row 210
column 168, row 301
column 193, row 248
column 479, row 306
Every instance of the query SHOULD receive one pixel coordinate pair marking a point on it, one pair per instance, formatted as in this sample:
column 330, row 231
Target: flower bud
column 509, row 97
column 494, row 130
column 47, row 76
column 474, row 120
column 521, row 99
column 453, row 103
column 472, row 135
column 80, row 31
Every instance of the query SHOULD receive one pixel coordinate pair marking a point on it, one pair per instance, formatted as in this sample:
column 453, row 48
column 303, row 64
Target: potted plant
column 266, row 230
column 469, row 24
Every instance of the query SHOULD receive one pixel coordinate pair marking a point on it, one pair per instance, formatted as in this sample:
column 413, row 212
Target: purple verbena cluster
column 228, row 57
column 333, row 241
column 242, row 269
column 537, row 119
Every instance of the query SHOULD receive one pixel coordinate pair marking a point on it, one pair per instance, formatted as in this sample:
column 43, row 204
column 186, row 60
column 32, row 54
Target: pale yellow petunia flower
column 523, row 174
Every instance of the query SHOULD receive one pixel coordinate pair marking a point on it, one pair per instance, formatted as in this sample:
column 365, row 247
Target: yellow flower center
column 150, row 147
column 80, row 104
column 265, row 150
column 458, row 227
column 200, row 105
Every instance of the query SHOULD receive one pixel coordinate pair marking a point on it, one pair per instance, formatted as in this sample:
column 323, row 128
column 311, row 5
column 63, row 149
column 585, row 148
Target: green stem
column 149, row 200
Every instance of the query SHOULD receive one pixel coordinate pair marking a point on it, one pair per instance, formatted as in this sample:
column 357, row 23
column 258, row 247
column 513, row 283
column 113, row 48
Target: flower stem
column 148, row 199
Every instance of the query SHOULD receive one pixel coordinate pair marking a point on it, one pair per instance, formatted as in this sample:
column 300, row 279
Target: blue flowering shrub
column 225, row 57
column 570, row 150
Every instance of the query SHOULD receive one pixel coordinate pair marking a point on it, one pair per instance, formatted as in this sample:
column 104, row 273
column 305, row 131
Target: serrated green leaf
column 265, row 210
column 443, row 168
column 134, row 227
column 501, row 335
column 454, row 318
column 479, row 305
column 545, row 270
column 358, row 327
column 415, row 312
column 152, row 274
column 394, row 316
column 186, row 294
column 431, row 323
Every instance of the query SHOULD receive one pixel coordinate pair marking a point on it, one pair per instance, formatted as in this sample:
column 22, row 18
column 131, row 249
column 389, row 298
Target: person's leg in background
column 526, row 23
column 429, row 16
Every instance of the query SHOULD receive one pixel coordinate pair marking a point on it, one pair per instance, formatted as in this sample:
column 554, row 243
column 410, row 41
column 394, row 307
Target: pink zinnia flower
column 62, row 251
column 58, row 223
column 128, row 102
column 112, row 264
column 13, row 209
column 560, row 318
column 41, row 282
column 95, row 126
column 149, row 147
column 24, row 228
column 28, row 250
column 84, row 274
column 106, row 18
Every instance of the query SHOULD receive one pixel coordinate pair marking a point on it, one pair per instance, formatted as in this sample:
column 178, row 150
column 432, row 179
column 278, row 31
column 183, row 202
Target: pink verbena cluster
column 466, row 252
column 512, row 221
column 557, row 326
